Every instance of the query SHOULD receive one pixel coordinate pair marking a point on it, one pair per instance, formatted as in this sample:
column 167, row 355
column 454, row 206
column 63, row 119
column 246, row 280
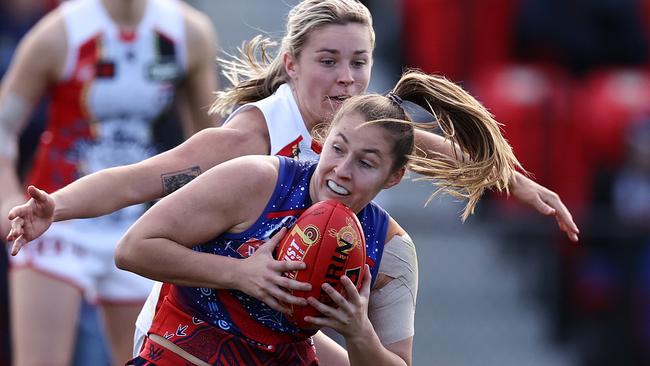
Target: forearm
column 9, row 182
column 103, row 192
column 430, row 141
column 167, row 261
column 366, row 349
column 11, row 193
column 329, row 352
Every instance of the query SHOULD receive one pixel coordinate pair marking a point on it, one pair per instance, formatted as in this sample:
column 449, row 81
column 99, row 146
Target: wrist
column 365, row 335
column 230, row 273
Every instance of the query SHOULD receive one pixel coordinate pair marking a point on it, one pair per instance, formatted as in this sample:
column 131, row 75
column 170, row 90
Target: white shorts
column 145, row 318
column 84, row 258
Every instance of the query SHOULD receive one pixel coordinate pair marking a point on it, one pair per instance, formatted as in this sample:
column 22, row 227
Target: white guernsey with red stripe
column 114, row 87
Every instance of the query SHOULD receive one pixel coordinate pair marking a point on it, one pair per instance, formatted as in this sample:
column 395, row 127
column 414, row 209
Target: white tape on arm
column 14, row 113
column 392, row 307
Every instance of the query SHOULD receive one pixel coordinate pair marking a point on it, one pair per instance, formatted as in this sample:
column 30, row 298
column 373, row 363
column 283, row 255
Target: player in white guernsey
column 325, row 57
column 112, row 70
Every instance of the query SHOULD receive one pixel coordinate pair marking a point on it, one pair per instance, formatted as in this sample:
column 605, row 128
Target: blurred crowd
column 570, row 81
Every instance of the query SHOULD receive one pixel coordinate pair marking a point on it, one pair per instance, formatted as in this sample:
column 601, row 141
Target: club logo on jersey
column 292, row 150
column 249, row 247
column 164, row 71
column 104, row 69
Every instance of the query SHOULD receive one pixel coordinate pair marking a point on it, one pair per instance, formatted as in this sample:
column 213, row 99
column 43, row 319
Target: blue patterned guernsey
column 242, row 315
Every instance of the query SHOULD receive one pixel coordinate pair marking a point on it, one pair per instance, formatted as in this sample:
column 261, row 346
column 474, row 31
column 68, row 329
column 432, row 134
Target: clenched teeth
column 337, row 188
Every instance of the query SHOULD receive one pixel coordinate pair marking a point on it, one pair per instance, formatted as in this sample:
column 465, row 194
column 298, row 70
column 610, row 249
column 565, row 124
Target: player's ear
column 395, row 177
column 290, row 64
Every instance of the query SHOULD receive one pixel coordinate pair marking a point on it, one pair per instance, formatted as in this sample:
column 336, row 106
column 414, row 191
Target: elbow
column 125, row 255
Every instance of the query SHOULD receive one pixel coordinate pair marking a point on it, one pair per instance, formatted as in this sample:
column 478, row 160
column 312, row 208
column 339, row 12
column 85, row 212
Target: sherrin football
column 328, row 237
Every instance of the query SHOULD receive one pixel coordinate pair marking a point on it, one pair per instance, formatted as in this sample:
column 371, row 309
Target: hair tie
column 395, row 98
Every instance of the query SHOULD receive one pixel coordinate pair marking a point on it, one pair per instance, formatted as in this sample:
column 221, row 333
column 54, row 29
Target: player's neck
column 125, row 13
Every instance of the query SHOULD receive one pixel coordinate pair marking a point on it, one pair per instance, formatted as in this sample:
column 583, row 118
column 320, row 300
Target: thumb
column 36, row 193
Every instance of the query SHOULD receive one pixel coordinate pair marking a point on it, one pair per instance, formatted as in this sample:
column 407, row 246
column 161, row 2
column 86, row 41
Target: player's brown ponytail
column 487, row 161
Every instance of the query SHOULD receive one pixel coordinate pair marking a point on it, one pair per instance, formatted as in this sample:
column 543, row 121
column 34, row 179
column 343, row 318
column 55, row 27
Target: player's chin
column 328, row 110
column 329, row 195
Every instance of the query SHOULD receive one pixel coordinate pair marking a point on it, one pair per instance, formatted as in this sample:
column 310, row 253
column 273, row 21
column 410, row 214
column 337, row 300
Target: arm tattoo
column 175, row 180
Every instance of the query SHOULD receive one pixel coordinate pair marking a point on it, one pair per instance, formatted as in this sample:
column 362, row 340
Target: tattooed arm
column 111, row 189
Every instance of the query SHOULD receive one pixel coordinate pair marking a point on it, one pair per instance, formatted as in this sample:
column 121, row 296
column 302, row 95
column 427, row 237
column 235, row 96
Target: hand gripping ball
column 328, row 237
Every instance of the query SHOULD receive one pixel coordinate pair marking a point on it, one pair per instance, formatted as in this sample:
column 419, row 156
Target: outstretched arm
column 545, row 201
column 111, row 189
column 30, row 220
column 158, row 245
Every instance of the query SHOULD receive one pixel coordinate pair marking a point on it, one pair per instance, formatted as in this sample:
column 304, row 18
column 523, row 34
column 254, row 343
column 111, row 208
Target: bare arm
column 329, row 352
column 545, row 201
column 144, row 181
column 37, row 63
column 158, row 245
column 390, row 310
column 162, row 174
column 350, row 319
column 152, row 178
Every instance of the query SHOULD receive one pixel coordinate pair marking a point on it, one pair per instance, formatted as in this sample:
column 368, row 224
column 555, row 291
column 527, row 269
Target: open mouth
column 337, row 188
column 338, row 98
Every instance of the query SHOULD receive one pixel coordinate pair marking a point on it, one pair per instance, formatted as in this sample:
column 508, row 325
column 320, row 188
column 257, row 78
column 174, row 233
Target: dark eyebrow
column 367, row 151
column 331, row 50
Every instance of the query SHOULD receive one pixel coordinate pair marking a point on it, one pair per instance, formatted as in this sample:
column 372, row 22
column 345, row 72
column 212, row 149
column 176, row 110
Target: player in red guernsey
column 111, row 70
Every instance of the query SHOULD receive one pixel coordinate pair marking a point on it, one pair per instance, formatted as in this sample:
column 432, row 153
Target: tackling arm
column 545, row 201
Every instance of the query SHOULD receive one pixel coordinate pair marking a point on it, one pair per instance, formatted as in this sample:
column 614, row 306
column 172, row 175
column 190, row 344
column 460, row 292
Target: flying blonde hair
column 487, row 162
column 255, row 74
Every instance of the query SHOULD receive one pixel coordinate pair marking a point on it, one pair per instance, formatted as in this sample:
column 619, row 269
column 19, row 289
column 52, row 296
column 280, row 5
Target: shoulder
column 47, row 38
column 261, row 167
column 245, row 176
column 251, row 176
column 251, row 122
column 374, row 213
column 49, row 28
column 247, row 118
column 40, row 57
column 394, row 229
column 200, row 32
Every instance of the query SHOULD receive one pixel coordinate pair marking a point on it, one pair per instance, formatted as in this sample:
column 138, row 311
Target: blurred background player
column 16, row 18
column 112, row 71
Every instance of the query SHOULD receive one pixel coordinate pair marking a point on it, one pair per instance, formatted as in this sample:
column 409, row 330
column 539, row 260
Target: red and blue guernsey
column 235, row 313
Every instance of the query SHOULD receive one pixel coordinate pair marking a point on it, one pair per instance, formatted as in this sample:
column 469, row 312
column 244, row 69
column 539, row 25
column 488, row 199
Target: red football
column 328, row 237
